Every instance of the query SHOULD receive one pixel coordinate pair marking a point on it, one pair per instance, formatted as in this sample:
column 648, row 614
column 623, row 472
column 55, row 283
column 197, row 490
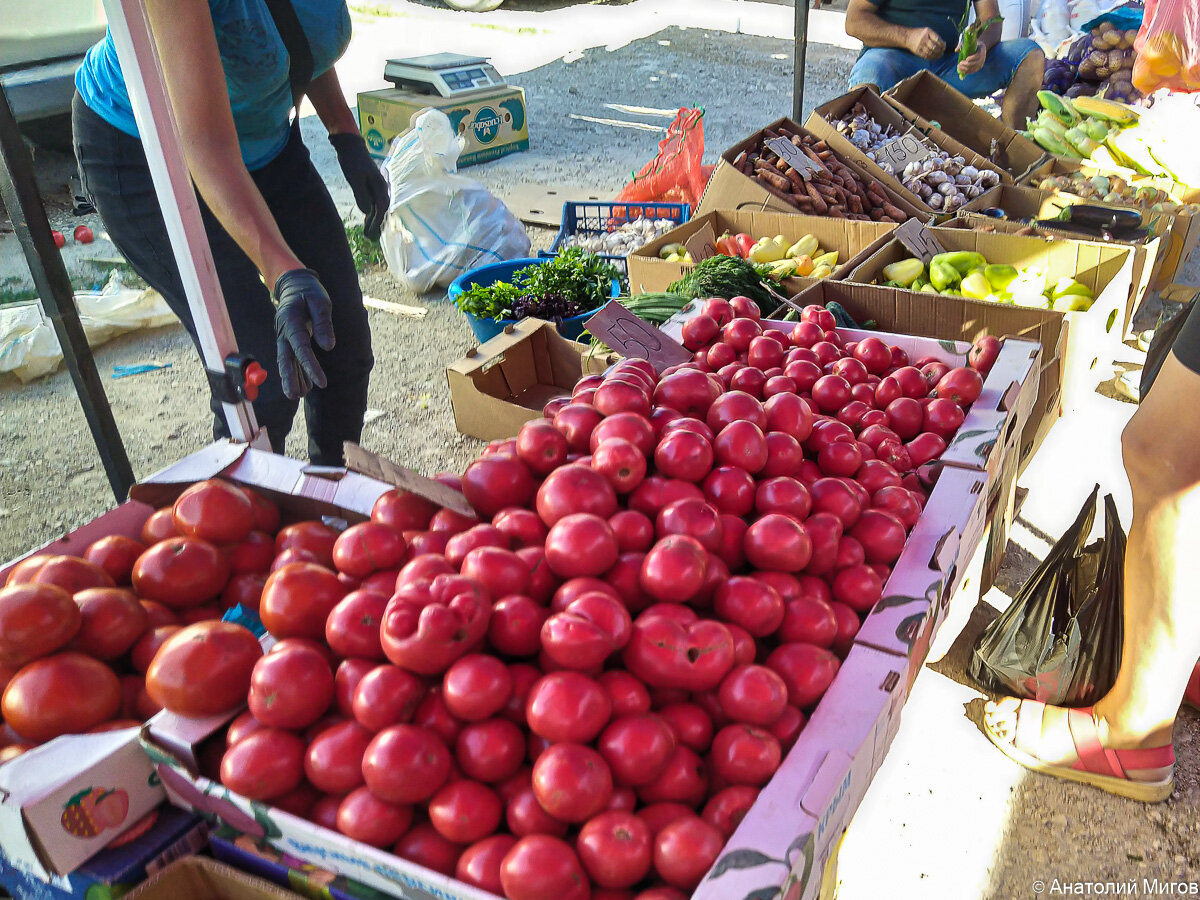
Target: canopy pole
column 800, row 51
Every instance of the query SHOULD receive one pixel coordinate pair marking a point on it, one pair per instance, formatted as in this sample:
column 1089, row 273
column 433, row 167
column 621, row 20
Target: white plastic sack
column 29, row 347
column 440, row 224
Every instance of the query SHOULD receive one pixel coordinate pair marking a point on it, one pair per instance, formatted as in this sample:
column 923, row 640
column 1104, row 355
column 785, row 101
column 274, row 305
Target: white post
column 160, row 137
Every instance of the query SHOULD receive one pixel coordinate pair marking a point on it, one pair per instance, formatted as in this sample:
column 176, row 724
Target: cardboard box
column 502, row 384
column 850, row 238
column 257, row 857
column 1073, row 343
column 1182, row 237
column 820, row 122
column 729, row 189
column 64, row 801
column 931, row 105
column 161, row 837
column 493, row 124
column 198, row 878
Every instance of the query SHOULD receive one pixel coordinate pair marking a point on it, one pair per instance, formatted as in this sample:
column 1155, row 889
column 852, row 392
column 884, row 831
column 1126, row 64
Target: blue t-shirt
column 256, row 70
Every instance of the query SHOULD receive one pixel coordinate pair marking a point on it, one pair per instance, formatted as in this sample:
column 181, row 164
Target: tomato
column 726, row 808
column 432, row 714
column 115, row 554
column 683, row 454
column 807, row 670
column 368, row 547
column 362, row 816
column 541, row 446
column 203, row 669
column 583, row 635
column 386, row 695
column 72, row 574
column 748, row 380
column 427, row 626
column 159, row 526
column 266, row 764
column 623, row 464
column 145, row 647
column 479, row 864
column 809, row 619
column 522, row 526
column 324, row 811
column 403, row 511
column 751, row 604
column 465, row 811
column 788, row 727
column 962, row 386
column 406, row 764
column 730, row 490
column 753, row 695
column 35, row 620
column 214, row 510
column 423, row 845
column 112, row 621
column 881, row 534
column 664, row 652
column 66, row 693
column 567, row 706
column 618, row 395
column 515, row 626
column 181, row 572
column 461, row 545
column 777, row 542
column 333, row 761
column 476, row 687
column 575, row 489
column 314, row 537
column 352, row 628
column 616, row 849
column 576, row 421
column 525, row 816
column 542, row 867
column 688, row 392
column 628, row 695
column 637, row 748
column 685, row 850
column 290, row 688
column 494, row 483
column 785, row 495
column 490, row 751
column 983, row 354
column 699, row 331
column 745, row 754
column 859, row 587
column 572, row 782
column 674, row 569
column 581, row 544
column 297, row 600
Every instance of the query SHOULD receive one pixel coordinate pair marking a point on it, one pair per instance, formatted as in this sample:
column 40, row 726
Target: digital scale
column 446, row 74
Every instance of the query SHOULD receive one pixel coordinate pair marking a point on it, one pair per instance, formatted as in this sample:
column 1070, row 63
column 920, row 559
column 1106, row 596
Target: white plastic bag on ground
column 29, row 347
column 441, row 224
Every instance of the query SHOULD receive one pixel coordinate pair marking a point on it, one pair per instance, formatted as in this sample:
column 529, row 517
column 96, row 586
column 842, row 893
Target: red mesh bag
column 677, row 173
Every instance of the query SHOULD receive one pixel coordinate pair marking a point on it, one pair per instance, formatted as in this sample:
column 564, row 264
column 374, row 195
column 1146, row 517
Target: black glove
column 365, row 178
column 305, row 314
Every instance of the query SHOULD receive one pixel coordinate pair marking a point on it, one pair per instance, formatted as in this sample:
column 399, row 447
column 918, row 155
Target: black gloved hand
column 365, row 178
column 305, row 314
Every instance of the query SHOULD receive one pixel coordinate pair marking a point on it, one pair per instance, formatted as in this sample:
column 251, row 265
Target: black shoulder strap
column 287, row 22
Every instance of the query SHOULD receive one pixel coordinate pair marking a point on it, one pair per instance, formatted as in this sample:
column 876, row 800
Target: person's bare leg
column 1161, row 448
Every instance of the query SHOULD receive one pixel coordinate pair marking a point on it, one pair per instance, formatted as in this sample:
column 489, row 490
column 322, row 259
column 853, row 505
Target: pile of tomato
column 576, row 692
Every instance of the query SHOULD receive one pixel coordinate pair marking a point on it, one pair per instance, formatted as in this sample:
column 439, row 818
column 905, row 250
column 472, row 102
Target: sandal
column 1097, row 766
column 1191, row 694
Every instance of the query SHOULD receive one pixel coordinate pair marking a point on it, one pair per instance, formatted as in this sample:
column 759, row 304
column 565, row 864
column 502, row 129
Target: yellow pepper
column 806, row 246
column 768, row 250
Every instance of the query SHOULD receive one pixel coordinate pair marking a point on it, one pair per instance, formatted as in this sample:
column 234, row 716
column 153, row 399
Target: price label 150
column 902, row 151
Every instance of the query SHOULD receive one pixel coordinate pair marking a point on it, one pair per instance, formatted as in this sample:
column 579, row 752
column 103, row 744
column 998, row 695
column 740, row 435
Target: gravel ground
column 946, row 816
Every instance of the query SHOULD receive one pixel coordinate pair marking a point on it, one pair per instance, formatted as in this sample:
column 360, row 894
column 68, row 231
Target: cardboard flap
column 383, row 469
column 166, row 484
column 35, row 773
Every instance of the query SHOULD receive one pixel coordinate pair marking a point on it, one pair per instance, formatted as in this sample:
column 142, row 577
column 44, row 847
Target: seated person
column 903, row 37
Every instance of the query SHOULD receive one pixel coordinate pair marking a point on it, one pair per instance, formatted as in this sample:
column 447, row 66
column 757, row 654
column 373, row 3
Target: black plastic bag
column 1060, row 639
column 1161, row 345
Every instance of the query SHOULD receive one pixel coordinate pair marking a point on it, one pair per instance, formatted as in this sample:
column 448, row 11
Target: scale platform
column 445, row 74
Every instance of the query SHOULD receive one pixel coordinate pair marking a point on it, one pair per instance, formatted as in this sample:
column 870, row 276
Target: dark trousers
column 116, row 178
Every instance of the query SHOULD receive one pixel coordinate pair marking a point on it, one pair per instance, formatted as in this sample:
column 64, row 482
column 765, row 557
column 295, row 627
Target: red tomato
column 403, row 511
column 658, row 816
column 523, row 527
column 683, row 454
column 754, row 695
column 576, row 421
column 751, row 604
column 685, row 850
column 572, row 782
column 583, row 635
column 422, row 845
column 72, row 574
column 616, row 849
column 618, row 395
column 181, row 572
column 243, row 726
column 983, row 354
column 497, row 482
column 567, row 706
column 808, row 619
column 628, row 427
column 744, row 754
column 297, row 600
column 215, row 511
column 541, row 446
column 346, row 676
column 203, row 669
column 66, row 693
column 432, row 714
column 479, row 864
column 386, row 695
column 575, row 489
column 264, row 513
column 962, row 385
column 515, row 626
column 728, row 806
column 290, row 688
column 465, row 811
column 881, row 534
column 352, row 628
column 362, row 816
column 542, row 867
column 637, row 748
column 525, row 816
column 333, row 761
column 476, row 687
column 461, row 545
column 490, row 751
column 60, row 240
column 859, row 587
column 777, row 542
column 368, row 547
column 159, row 527
column 788, row 727
column 807, row 671
column 35, row 620
column 623, row 464
column 687, row 391
column 684, row 780
column 691, row 725
column 145, row 647
column 664, row 652
column 112, row 621
column 83, row 234
column 581, row 545
column 314, row 537
column 266, row 764
column 115, row 554
column 406, row 764
column 674, row 569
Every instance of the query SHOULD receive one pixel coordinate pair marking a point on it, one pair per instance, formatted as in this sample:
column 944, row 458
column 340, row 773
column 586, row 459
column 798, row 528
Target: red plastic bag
column 677, row 173
column 1168, row 47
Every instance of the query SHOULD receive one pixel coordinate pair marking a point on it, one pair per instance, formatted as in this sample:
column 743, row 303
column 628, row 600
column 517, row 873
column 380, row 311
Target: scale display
column 446, row 74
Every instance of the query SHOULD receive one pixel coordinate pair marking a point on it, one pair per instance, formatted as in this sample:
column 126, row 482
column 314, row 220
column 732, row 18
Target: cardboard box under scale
column 199, row 878
column 932, row 105
column 820, row 122
column 850, row 238
column 1074, row 343
column 729, row 189
column 493, row 124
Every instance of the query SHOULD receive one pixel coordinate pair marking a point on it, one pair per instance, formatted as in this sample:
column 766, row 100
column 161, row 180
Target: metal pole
column 800, row 52
column 19, row 189
column 164, row 152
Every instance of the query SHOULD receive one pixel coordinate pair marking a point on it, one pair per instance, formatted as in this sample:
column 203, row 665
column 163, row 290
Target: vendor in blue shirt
column 278, row 243
column 903, row 37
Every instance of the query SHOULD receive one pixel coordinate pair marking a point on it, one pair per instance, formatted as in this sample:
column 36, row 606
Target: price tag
column 702, row 244
column 794, row 157
column 631, row 337
column 902, row 151
column 382, row 469
column 916, row 237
